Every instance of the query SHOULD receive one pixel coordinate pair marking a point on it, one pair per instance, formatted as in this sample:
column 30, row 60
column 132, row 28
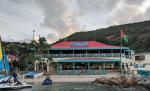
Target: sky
column 56, row 19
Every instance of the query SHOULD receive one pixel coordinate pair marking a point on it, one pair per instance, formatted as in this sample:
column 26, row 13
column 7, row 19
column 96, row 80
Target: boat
column 33, row 74
column 5, row 83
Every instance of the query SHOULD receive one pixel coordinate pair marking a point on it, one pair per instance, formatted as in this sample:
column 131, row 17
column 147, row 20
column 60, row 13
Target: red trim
column 91, row 44
column 88, row 59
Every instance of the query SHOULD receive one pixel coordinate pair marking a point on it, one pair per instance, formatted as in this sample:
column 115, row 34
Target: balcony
column 82, row 72
column 80, row 55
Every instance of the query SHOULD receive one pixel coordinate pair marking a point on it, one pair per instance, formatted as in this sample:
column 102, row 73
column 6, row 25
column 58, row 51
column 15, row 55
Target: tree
column 43, row 45
column 30, row 58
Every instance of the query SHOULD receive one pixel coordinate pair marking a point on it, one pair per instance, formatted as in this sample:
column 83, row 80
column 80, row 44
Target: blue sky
column 56, row 19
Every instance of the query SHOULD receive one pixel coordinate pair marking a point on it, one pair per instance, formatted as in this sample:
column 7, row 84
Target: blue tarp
column 145, row 73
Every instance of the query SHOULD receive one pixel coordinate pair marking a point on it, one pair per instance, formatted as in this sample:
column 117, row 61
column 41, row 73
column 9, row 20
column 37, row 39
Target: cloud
column 129, row 11
column 96, row 6
column 148, row 12
column 52, row 37
column 18, row 19
column 68, row 16
column 134, row 2
column 56, row 19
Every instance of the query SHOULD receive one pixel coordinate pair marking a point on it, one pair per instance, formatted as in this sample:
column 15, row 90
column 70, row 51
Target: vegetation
column 25, row 52
column 138, row 34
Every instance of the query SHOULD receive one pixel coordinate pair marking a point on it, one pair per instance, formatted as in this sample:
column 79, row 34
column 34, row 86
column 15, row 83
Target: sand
column 64, row 78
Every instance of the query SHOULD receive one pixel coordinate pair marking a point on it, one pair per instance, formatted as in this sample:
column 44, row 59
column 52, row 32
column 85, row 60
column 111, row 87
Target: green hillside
column 138, row 33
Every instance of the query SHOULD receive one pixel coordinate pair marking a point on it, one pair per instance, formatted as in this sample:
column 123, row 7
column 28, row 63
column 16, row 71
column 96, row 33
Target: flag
column 124, row 36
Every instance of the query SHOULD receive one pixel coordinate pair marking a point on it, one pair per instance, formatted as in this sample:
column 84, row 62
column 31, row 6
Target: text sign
column 79, row 44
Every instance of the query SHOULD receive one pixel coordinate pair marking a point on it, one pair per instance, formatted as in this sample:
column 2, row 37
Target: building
column 142, row 59
column 87, row 57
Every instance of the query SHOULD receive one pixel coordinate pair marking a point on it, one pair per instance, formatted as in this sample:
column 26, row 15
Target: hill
column 138, row 34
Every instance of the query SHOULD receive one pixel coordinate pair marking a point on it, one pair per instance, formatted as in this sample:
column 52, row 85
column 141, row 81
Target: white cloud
column 17, row 20
column 56, row 19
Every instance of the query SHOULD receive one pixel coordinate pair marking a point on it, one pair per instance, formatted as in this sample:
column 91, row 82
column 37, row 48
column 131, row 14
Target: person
column 47, row 81
column 122, row 65
column 15, row 76
column 127, row 65
column 123, row 68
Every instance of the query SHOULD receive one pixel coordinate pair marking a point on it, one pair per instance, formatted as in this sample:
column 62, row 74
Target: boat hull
column 14, row 87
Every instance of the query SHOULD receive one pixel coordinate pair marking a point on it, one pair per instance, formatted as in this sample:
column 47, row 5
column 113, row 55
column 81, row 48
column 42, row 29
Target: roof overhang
column 86, row 60
column 123, row 48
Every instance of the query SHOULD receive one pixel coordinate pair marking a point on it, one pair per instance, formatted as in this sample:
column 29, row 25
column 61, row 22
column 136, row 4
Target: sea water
column 72, row 87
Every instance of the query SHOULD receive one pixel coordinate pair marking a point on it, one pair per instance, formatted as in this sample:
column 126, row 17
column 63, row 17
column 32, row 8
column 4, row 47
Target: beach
column 71, row 78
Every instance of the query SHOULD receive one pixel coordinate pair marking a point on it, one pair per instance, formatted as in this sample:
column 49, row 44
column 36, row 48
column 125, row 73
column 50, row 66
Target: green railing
column 80, row 55
column 81, row 72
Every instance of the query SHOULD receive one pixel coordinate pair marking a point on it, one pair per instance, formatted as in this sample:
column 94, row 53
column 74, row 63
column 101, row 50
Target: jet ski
column 14, row 86
column 47, row 81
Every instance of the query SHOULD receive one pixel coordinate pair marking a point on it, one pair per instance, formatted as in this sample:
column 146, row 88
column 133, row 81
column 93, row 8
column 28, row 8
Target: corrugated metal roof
column 82, row 44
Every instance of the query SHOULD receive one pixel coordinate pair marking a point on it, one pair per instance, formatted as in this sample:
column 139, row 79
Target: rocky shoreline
column 141, row 84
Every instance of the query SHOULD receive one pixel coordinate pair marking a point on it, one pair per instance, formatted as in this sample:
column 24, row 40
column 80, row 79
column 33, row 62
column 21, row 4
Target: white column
column 42, row 66
column 112, row 65
column 112, row 53
column 48, row 67
column 35, row 66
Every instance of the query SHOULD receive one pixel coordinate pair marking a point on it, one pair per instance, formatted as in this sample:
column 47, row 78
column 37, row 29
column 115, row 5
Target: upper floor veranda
column 85, row 49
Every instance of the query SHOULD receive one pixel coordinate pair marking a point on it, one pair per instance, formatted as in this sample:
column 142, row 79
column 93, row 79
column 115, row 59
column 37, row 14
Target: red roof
column 82, row 44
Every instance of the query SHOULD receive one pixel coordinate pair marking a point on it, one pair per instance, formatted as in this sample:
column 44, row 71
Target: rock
column 132, row 82
column 100, row 80
column 147, row 86
column 124, row 82
column 113, row 81
column 97, row 80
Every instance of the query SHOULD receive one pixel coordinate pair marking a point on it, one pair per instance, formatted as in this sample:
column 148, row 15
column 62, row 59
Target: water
column 72, row 87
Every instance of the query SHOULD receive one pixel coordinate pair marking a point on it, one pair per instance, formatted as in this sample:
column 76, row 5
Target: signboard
column 79, row 44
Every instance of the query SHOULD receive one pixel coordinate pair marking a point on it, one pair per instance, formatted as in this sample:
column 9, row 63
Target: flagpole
column 120, row 50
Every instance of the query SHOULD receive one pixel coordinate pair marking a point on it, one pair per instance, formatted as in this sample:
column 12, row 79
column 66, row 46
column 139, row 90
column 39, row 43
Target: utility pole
column 121, row 53
column 33, row 34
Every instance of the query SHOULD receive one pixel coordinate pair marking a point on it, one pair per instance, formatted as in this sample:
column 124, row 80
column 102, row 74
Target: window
column 140, row 58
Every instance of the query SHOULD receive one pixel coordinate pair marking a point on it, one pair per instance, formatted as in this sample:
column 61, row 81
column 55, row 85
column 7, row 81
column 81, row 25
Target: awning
column 87, row 60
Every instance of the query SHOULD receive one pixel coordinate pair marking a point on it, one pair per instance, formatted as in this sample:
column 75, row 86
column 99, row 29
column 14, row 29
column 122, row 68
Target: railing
column 81, row 55
column 81, row 72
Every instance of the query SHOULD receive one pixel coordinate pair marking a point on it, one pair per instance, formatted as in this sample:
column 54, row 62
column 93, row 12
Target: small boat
column 47, row 81
column 14, row 86
column 33, row 74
